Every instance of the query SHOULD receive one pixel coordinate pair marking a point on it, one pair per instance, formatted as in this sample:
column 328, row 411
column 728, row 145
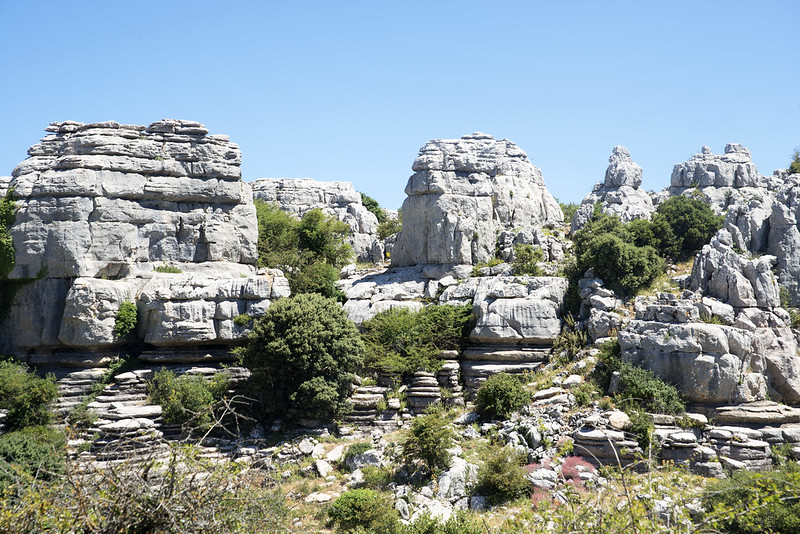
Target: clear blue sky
column 351, row 90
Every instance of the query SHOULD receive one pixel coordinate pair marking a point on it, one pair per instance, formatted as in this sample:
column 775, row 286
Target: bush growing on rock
column 390, row 226
column 364, row 510
column 125, row 321
column 372, row 205
column 35, row 451
column 187, row 398
column 692, row 223
column 502, row 478
column 354, row 450
column 402, row 341
column 500, row 396
column 26, row 396
column 7, row 216
column 303, row 353
column 526, row 259
column 794, row 165
column 430, row 437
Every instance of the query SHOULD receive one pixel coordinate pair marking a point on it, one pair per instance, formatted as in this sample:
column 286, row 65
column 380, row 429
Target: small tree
column 302, row 353
column 794, row 166
column 526, row 259
column 372, row 205
column 501, row 395
column 363, row 510
column 26, row 396
column 502, row 478
column 125, row 321
column 7, row 217
column 693, row 224
column 431, row 436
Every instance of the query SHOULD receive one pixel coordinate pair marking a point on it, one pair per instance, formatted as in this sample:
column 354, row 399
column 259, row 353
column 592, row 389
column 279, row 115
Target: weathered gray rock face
column 4, row 181
column 339, row 199
column 101, row 207
column 724, row 179
column 463, row 193
column 619, row 194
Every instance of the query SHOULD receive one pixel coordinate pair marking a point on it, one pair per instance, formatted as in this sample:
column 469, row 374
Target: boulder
column 463, row 193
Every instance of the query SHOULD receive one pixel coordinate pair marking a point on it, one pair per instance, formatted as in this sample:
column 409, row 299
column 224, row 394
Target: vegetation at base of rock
column 169, row 269
column 187, row 398
column 310, row 251
column 794, row 313
column 501, row 478
column 354, row 450
column 35, row 452
column 7, row 217
column 376, row 477
column 476, row 269
column 692, row 224
column 242, row 320
column 430, row 437
column 125, row 321
column 182, row 493
column 404, row 341
column 501, row 395
column 303, row 353
column 390, row 226
column 26, row 396
column 570, row 340
column 364, row 510
column 794, row 165
column 372, row 205
column 750, row 502
column 569, row 210
column 526, row 259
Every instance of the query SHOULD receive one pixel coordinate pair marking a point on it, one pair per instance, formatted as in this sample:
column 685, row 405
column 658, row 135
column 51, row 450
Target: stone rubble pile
column 338, row 199
column 463, row 194
column 619, row 194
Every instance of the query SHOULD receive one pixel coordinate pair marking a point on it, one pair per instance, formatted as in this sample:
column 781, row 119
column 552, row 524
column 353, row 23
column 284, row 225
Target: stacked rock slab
column 338, row 199
column 619, row 194
column 100, row 208
column 4, row 181
column 463, row 193
column 723, row 179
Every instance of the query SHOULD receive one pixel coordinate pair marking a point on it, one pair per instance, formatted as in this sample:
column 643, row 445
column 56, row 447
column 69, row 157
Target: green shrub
column 35, row 451
column 500, row 396
column 430, row 437
column 372, row 205
column 376, row 477
column 794, row 165
column 755, row 502
column 649, row 392
column 354, row 450
column 317, row 277
column 501, row 478
column 324, row 238
column 390, row 226
column 569, row 210
column 526, row 258
column 476, row 269
column 26, row 396
column 458, row 523
column 623, row 267
column 242, row 320
column 187, row 399
column 7, row 217
column 303, row 353
column 171, row 269
column 362, row 510
column 402, row 341
column 125, row 321
column 692, row 223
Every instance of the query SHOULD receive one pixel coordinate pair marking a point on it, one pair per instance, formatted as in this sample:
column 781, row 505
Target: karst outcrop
column 463, row 193
column 338, row 199
column 619, row 194
column 154, row 215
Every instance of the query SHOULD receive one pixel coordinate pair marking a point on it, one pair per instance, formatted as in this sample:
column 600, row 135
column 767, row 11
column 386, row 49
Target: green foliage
column 794, row 313
column 361, row 510
column 501, row 478
column 402, row 341
column 35, row 451
column 372, row 205
column 171, row 269
column 711, row 318
column 125, row 321
column 623, row 267
column 431, row 435
column 794, row 165
column 310, row 251
column 476, row 269
column 569, row 210
column 571, row 339
column 7, row 217
column 526, row 258
column 390, row 227
column 754, row 502
column 354, row 450
column 26, row 396
column 242, row 320
column 692, row 223
column 458, row 523
column 500, row 396
column 303, row 353
column 376, row 477
column 649, row 392
column 585, row 393
column 187, row 399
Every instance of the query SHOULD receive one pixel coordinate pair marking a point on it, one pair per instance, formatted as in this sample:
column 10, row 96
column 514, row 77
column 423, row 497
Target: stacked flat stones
column 338, row 199
column 619, row 194
column 463, row 193
column 101, row 206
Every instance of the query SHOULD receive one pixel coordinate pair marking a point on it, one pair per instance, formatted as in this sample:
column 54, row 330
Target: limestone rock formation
column 338, row 199
column 4, row 181
column 463, row 193
column 723, row 179
column 619, row 194
column 103, row 208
